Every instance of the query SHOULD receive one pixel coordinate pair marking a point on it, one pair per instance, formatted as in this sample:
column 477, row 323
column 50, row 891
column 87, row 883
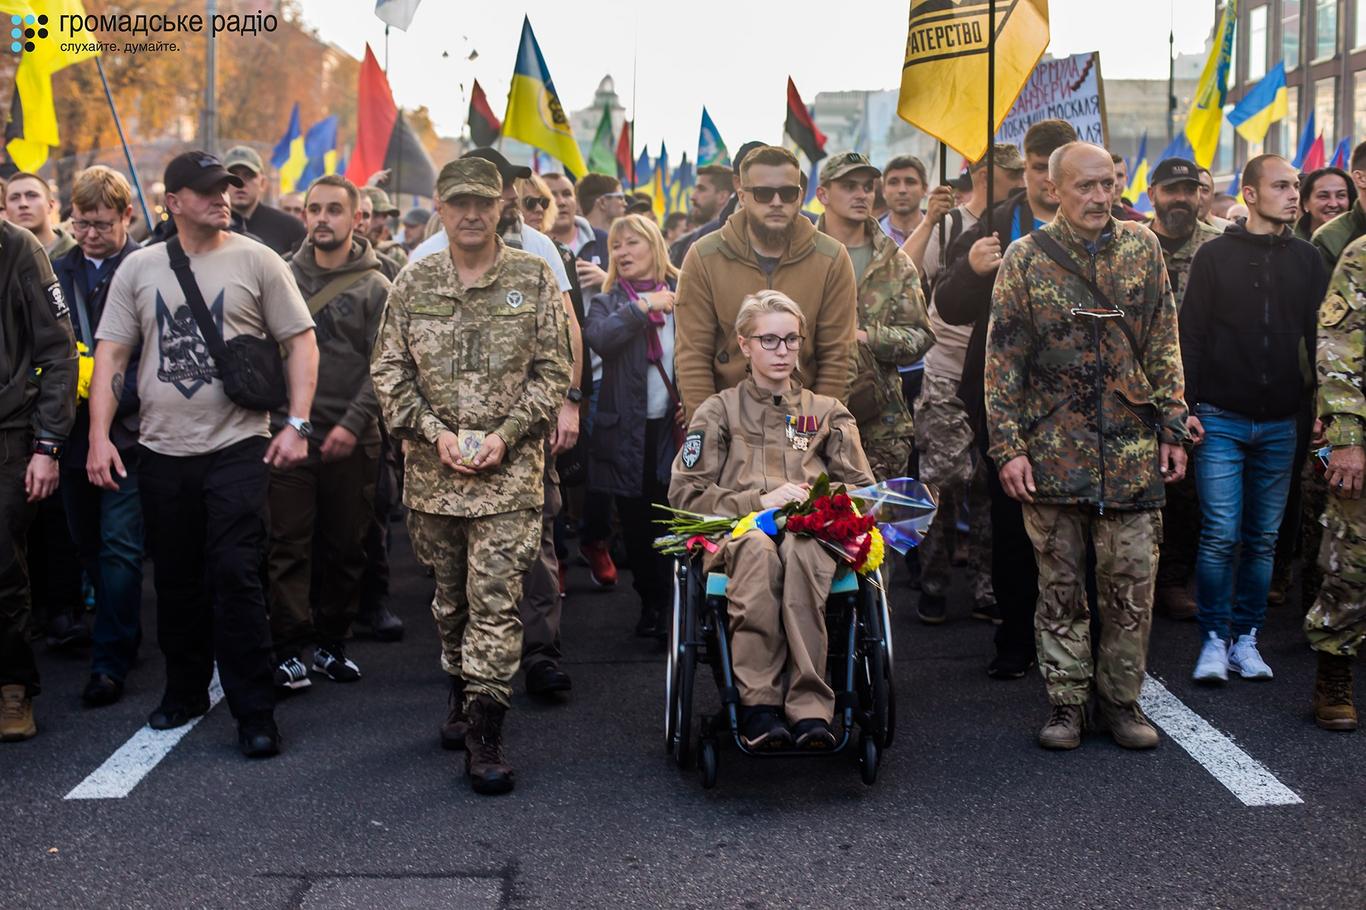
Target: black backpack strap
column 180, row 264
column 1054, row 251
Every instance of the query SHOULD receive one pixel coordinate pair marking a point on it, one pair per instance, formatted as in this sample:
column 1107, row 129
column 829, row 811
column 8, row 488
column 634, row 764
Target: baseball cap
column 1174, row 170
column 418, row 216
column 199, row 171
column 472, row 175
column 506, row 169
column 243, row 156
column 745, row 150
column 380, row 200
column 1003, row 155
column 846, row 163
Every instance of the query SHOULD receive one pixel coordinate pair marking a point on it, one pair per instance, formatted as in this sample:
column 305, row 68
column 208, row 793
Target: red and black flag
column 626, row 164
column 485, row 127
column 801, row 128
column 384, row 140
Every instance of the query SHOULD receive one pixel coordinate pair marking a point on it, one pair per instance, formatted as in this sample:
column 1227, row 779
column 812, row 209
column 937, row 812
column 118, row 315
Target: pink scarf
column 654, row 351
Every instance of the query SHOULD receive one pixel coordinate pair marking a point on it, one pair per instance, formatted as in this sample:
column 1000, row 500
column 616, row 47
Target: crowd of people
column 1119, row 415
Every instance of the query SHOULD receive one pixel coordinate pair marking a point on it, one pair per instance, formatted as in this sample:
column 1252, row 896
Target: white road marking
column 135, row 759
column 1244, row 776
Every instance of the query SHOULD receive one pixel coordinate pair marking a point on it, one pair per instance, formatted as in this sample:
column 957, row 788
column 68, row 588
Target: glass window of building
column 1290, row 33
column 1288, row 129
column 1326, row 111
column 1325, row 28
column 1360, row 24
column 1359, row 107
column 1256, row 43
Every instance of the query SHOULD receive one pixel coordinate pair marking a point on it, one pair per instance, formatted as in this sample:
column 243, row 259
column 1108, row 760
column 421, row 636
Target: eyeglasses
column 764, row 194
column 531, row 203
column 80, row 226
column 771, row 342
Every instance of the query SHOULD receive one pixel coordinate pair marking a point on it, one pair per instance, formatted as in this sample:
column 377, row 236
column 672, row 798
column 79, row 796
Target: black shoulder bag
column 252, row 371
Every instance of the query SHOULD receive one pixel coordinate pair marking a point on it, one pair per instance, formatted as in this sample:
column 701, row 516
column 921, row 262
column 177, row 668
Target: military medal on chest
column 800, row 429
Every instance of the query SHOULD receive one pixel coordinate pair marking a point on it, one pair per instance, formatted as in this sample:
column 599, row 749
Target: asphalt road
column 363, row 809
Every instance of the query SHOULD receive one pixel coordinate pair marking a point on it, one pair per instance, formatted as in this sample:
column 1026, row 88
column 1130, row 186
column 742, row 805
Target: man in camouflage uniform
column 473, row 357
column 1085, row 411
column 1175, row 193
column 1336, row 624
column 375, row 209
column 893, row 326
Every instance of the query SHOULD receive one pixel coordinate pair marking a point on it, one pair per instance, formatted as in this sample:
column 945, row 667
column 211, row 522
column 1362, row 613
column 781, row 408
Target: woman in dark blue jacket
column 630, row 326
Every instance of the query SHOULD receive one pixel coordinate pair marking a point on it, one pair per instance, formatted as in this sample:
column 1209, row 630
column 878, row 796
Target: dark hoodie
column 346, row 330
column 1248, row 323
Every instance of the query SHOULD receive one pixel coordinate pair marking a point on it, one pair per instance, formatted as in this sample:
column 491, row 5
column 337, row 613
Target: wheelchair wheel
column 684, row 655
column 671, row 664
column 706, row 763
column 889, row 722
column 875, row 676
column 868, row 757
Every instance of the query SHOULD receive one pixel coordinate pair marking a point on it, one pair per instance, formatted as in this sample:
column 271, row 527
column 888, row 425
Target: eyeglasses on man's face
column 771, row 342
column 764, row 194
column 80, row 226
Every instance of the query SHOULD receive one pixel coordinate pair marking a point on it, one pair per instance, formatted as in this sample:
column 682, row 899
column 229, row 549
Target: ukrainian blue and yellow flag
column 534, row 113
column 1207, row 107
column 1266, row 103
column 320, row 147
column 1138, row 177
column 289, row 158
column 659, row 182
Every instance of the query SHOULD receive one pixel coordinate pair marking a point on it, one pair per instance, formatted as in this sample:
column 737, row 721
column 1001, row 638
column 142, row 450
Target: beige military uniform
column 492, row 357
column 737, row 448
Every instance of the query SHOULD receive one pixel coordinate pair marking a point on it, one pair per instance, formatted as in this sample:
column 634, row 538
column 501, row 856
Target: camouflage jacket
column 1069, row 390
column 891, row 309
column 1335, row 236
column 1342, row 345
column 1179, row 262
column 493, row 356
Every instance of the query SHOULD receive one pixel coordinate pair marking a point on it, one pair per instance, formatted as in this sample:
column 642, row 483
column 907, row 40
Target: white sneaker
column 1245, row 660
column 1212, row 665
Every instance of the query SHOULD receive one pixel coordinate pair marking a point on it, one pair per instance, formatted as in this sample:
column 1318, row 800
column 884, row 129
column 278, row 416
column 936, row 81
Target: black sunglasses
column 764, row 194
column 535, row 202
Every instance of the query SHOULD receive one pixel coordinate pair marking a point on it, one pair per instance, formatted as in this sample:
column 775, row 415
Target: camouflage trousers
column 479, row 564
column 949, row 461
column 888, row 457
column 1336, row 623
column 1126, row 545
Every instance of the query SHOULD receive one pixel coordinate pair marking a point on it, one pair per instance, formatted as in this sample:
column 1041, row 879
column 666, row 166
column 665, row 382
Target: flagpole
column 991, row 106
column 943, row 164
column 635, row 59
column 128, row 155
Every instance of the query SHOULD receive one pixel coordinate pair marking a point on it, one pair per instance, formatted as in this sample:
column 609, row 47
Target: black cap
column 962, row 183
column 506, row 169
column 745, row 150
column 199, row 171
column 1174, row 170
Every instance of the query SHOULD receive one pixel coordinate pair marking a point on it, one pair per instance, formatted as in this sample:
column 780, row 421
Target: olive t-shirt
column 248, row 289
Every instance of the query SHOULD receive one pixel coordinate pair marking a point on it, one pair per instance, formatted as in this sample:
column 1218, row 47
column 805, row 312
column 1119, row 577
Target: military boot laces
column 488, row 770
column 1063, row 728
column 1128, row 725
column 1334, row 708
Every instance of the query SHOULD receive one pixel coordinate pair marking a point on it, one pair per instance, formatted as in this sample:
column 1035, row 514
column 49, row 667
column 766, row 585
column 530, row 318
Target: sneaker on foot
column 258, row 737
column 931, row 609
column 381, row 623
column 1010, row 666
column 1245, row 660
column 1212, row 665
column 332, row 662
column 763, row 730
column 16, row 714
column 987, row 612
column 600, row 566
column 813, row 735
column 292, row 676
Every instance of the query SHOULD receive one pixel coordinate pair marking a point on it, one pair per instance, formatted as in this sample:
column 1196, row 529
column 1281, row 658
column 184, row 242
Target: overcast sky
column 733, row 56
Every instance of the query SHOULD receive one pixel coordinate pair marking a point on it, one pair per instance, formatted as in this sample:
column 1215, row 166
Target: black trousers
column 1014, row 573
column 206, row 521
column 17, row 666
column 651, row 571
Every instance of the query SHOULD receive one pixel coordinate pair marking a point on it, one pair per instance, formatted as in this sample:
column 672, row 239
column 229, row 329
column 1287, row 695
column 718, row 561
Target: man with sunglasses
column 105, row 524
column 765, row 244
column 893, row 327
column 1084, row 402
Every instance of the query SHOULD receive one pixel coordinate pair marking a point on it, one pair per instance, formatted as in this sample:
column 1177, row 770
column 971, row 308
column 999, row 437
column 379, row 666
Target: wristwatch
column 301, row 426
column 47, row 447
column 574, row 395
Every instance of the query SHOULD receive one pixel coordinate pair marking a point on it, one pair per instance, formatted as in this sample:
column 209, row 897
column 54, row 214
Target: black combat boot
column 488, row 771
column 456, row 725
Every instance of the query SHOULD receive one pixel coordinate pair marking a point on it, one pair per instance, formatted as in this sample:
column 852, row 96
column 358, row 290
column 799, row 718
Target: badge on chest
column 800, row 430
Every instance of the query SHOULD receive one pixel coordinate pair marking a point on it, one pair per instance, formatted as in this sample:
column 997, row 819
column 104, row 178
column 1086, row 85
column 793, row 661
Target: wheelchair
column 858, row 667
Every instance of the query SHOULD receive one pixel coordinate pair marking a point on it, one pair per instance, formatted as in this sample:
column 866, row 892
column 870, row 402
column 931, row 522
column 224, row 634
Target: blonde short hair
column 762, row 303
column 647, row 230
column 535, row 186
column 99, row 185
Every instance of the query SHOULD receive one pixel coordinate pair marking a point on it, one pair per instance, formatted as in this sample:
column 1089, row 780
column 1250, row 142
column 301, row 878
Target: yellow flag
column 943, row 81
column 33, row 81
column 1206, row 116
column 534, row 113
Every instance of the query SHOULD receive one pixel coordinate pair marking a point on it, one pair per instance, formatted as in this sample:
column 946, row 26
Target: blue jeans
column 1242, row 473
column 106, row 526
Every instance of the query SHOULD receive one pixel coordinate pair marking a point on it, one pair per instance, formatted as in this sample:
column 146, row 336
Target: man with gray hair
column 1084, row 303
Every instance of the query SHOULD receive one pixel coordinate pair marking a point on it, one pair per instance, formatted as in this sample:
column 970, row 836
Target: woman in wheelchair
column 759, row 446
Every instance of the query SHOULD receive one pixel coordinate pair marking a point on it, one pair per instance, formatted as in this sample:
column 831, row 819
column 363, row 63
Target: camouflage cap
column 846, row 163
column 1003, row 155
column 243, row 156
column 380, row 200
column 469, row 177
